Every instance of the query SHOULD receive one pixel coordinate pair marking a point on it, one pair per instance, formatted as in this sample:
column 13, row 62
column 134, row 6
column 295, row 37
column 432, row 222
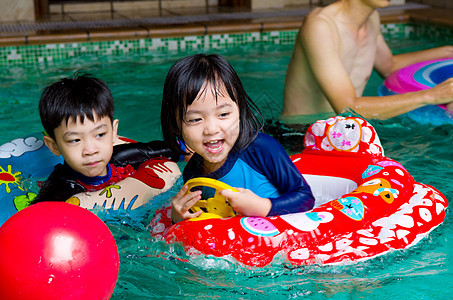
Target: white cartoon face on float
column 344, row 135
column 378, row 187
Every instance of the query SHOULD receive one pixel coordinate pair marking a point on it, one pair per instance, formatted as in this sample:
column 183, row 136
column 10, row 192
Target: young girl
column 206, row 108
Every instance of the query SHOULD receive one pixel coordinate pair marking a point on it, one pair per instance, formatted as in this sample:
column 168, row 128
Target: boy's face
column 86, row 147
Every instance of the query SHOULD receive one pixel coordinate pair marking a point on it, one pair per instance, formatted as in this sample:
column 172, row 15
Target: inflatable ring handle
column 216, row 207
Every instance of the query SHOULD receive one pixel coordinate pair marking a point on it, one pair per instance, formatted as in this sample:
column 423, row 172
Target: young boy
column 77, row 114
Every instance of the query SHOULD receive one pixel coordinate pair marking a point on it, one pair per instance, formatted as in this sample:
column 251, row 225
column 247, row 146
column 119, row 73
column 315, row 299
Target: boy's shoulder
column 60, row 183
column 61, row 172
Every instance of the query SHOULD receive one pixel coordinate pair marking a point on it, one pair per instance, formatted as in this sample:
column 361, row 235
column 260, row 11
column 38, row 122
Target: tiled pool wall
column 416, row 31
column 32, row 54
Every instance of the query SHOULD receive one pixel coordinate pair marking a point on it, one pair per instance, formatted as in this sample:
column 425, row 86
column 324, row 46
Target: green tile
column 15, row 55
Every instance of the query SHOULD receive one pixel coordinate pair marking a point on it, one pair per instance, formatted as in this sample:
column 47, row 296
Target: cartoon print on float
column 16, row 153
column 20, row 146
column 371, row 170
column 153, row 177
column 20, row 161
column 350, row 206
column 378, row 187
column 308, row 221
column 259, row 226
column 10, row 150
column 10, row 177
column 344, row 135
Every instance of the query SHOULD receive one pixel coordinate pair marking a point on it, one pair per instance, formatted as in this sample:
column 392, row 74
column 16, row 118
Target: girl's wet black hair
column 184, row 81
column 78, row 96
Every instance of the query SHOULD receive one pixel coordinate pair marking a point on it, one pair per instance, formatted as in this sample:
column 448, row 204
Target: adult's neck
column 355, row 12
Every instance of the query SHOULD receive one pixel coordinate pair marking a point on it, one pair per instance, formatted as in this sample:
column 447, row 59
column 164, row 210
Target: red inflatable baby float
column 56, row 250
column 366, row 205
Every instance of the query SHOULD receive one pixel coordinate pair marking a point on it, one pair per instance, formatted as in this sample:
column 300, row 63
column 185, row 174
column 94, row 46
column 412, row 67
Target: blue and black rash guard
column 264, row 168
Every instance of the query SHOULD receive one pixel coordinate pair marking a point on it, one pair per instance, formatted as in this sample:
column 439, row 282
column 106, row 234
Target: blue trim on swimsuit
column 96, row 180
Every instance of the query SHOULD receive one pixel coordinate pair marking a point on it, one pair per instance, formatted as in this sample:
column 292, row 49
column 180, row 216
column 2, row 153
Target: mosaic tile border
column 19, row 55
column 414, row 31
column 32, row 54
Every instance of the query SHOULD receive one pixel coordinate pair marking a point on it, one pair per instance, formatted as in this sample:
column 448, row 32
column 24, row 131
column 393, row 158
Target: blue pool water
column 151, row 269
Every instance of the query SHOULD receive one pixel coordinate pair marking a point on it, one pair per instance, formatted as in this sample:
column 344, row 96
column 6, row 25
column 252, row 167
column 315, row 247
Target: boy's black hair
column 184, row 81
column 78, row 96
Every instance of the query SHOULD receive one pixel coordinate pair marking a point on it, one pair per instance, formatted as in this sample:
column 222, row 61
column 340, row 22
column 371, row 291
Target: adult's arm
column 321, row 44
column 386, row 63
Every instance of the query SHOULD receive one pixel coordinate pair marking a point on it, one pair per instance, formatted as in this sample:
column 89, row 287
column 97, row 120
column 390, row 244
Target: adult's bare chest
column 358, row 53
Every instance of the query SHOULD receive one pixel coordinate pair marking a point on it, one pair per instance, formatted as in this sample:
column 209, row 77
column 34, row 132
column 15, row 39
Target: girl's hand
column 247, row 203
column 181, row 203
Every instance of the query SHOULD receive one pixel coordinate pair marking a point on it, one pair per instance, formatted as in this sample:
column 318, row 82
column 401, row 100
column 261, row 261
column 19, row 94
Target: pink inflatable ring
column 420, row 76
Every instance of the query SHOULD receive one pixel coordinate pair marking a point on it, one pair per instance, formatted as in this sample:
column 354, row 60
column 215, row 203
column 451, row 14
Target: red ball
column 56, row 250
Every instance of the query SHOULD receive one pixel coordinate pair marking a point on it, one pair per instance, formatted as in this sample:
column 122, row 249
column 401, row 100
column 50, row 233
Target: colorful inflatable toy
column 417, row 77
column 26, row 162
column 55, row 250
column 366, row 205
column 23, row 162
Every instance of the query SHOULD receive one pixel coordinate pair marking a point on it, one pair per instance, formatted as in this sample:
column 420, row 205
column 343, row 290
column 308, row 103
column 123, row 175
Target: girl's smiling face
column 210, row 126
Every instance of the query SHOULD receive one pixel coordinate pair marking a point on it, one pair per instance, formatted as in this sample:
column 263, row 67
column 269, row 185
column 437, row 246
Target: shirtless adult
column 336, row 49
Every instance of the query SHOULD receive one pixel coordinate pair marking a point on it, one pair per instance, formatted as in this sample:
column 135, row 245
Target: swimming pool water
column 151, row 269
